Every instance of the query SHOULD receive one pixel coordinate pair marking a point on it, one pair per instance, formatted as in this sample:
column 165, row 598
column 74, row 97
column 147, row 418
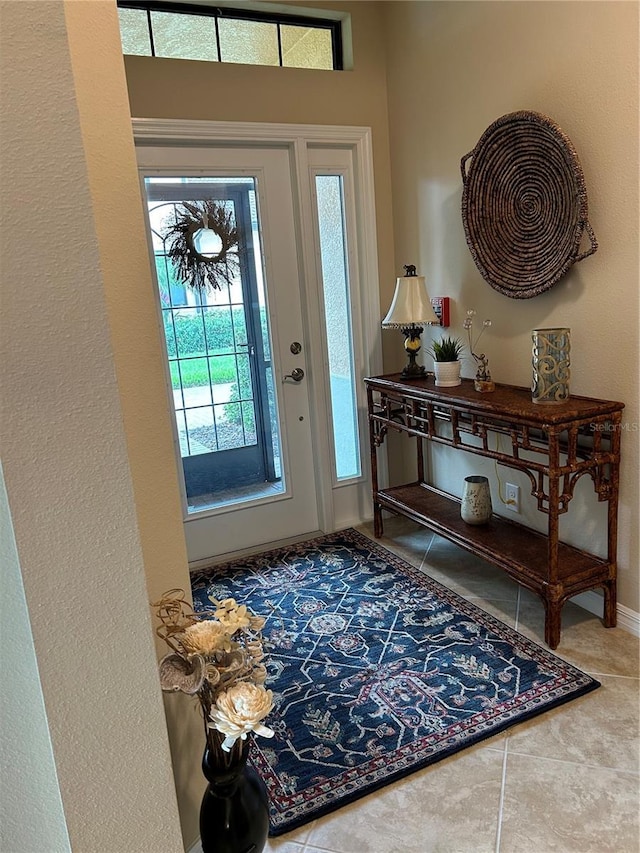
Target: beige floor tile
column 282, row 844
column 312, row 849
column 584, row 640
column 600, row 728
column 503, row 610
column 290, row 842
column 466, row 574
column 557, row 807
column 451, row 806
column 403, row 537
column 572, row 773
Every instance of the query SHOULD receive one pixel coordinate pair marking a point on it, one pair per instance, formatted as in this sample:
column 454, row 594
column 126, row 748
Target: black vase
column 234, row 815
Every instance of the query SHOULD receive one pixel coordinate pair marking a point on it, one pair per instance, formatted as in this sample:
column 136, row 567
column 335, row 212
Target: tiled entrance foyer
column 567, row 781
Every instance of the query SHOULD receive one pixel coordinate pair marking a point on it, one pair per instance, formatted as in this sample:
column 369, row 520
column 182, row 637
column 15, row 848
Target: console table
column 553, row 444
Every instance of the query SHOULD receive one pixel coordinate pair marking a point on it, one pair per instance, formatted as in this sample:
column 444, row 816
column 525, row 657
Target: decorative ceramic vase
column 550, row 360
column 234, row 815
column 476, row 501
column 447, row 373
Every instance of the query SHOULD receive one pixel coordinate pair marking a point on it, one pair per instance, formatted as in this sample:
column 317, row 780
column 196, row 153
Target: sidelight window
column 332, row 239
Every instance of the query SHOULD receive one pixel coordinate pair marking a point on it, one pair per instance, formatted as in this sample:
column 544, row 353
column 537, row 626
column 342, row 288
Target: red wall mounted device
column 441, row 309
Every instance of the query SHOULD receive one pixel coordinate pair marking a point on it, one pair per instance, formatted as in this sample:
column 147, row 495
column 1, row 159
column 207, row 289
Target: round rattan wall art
column 524, row 205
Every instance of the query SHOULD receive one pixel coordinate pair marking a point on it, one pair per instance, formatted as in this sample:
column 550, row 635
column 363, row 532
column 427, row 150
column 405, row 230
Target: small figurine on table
column 483, row 381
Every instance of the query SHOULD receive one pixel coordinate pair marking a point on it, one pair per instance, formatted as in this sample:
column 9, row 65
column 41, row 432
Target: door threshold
column 228, row 497
column 198, row 565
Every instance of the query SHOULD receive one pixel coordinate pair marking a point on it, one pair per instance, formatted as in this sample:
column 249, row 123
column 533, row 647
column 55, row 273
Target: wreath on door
column 201, row 245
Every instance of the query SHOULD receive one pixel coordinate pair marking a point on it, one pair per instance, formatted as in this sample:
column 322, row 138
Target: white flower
column 232, row 615
column 239, row 711
column 206, row 638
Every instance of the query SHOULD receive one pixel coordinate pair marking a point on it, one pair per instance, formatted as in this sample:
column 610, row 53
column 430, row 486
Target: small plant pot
column 447, row 373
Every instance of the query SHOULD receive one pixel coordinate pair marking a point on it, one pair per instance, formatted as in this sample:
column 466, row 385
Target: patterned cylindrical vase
column 550, row 360
column 475, row 507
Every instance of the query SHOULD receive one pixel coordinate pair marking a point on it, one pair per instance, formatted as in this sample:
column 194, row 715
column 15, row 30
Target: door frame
column 298, row 138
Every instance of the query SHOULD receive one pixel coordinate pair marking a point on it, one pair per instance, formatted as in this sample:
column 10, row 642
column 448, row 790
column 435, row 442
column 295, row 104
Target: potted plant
column 446, row 361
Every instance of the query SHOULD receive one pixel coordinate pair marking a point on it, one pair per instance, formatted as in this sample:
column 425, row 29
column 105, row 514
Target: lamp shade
column 411, row 305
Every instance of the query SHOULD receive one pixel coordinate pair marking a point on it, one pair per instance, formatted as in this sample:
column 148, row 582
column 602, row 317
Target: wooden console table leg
column 552, row 622
column 552, row 601
column 610, row 604
column 610, row 587
column 374, row 441
column 378, row 528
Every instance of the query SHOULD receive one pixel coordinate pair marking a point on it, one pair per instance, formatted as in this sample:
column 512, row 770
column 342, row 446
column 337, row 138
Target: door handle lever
column 297, row 374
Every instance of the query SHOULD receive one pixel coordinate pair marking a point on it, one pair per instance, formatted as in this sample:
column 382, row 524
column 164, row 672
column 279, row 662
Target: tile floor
column 565, row 781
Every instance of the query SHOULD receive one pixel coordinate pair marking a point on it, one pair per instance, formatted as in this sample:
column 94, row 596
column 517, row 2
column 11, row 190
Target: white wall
column 67, row 472
column 454, row 67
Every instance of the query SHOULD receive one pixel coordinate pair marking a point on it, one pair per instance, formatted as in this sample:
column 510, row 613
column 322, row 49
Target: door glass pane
column 218, row 350
column 200, row 429
column 337, row 315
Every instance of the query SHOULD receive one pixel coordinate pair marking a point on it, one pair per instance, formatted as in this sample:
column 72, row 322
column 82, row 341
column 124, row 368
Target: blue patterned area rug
column 376, row 669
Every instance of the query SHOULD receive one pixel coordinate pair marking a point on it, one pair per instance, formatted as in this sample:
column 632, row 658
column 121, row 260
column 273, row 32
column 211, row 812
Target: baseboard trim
column 196, row 847
column 628, row 619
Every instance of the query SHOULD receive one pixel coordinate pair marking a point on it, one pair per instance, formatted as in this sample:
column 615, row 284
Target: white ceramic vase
column 476, row 500
column 447, row 373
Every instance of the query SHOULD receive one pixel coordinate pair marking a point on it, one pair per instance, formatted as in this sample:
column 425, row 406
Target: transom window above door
column 226, row 34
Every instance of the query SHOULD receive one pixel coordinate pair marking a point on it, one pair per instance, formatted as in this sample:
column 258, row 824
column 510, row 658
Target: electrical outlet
column 512, row 497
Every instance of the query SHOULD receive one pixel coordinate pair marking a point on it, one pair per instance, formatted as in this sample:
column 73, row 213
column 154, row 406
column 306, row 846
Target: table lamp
column 410, row 311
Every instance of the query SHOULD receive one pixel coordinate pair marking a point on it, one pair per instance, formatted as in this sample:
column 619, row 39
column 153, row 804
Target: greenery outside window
column 224, row 34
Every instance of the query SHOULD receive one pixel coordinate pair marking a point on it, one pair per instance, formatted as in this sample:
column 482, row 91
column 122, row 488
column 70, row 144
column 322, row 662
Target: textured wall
column 25, row 743
column 455, row 67
column 137, row 349
column 65, row 461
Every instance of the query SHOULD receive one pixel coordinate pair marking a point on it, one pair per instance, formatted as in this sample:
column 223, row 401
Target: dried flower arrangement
column 217, row 656
column 194, row 269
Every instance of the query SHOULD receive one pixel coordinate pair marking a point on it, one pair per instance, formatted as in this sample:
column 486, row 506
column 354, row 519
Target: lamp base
column 412, row 344
column 413, row 370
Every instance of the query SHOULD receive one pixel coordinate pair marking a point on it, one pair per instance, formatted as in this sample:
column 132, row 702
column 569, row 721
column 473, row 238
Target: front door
column 236, row 355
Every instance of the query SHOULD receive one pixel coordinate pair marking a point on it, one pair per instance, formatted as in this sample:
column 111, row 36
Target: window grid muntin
column 178, row 362
column 242, row 14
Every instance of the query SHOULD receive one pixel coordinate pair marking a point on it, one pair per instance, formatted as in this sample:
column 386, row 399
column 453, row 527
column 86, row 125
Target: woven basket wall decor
column 524, row 205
